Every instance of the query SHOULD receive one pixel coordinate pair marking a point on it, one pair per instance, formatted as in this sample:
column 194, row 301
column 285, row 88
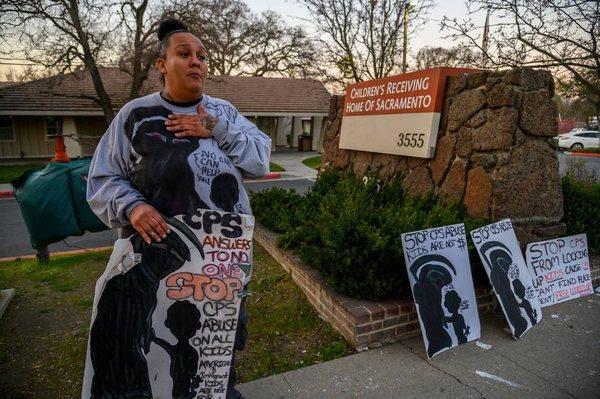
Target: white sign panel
column 438, row 267
column 397, row 114
column 501, row 256
column 560, row 269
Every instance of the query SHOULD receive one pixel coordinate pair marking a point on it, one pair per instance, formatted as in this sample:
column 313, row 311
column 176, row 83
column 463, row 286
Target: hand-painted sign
column 560, row 269
column 501, row 256
column 440, row 276
column 396, row 115
column 165, row 314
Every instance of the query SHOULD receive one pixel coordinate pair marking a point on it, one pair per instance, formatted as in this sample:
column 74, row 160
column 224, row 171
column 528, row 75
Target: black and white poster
column 439, row 272
column 501, row 256
column 560, row 269
column 165, row 314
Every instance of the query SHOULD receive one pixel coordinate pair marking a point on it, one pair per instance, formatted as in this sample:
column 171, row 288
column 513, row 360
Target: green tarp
column 52, row 201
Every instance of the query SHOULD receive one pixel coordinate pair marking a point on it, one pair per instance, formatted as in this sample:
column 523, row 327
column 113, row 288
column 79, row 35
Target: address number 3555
column 410, row 140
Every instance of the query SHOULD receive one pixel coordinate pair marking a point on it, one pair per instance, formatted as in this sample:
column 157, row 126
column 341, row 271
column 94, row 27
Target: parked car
column 579, row 139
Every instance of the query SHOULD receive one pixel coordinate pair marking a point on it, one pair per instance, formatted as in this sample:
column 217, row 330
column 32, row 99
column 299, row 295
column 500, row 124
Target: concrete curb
column 7, row 194
column 5, row 297
column 58, row 253
column 268, row 176
column 582, row 154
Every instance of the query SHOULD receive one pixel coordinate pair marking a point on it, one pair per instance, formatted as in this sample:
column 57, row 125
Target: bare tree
column 67, row 35
column 26, row 75
column 457, row 56
column 139, row 50
column 240, row 42
column 363, row 38
column 282, row 50
column 59, row 34
column 558, row 34
column 586, row 101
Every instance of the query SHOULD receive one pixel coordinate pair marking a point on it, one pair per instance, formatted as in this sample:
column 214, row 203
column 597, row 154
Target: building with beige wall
column 32, row 112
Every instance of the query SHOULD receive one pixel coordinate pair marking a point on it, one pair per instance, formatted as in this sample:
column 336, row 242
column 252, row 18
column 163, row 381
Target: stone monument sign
column 397, row 114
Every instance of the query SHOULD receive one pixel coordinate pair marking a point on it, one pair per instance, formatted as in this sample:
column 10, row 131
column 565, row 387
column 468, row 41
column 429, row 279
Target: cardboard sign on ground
column 560, row 269
column 501, row 256
column 438, row 267
column 165, row 315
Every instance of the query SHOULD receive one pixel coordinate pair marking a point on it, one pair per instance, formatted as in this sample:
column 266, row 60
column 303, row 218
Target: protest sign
column 501, row 256
column 560, row 269
column 165, row 314
column 439, row 272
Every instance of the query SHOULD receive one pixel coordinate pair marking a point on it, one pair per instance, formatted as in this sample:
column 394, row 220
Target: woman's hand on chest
column 184, row 125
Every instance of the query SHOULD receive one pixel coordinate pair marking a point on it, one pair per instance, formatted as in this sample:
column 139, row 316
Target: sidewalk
column 558, row 358
column 292, row 163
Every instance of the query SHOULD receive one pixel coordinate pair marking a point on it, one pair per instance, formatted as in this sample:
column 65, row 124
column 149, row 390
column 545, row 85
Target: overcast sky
column 296, row 14
column 428, row 36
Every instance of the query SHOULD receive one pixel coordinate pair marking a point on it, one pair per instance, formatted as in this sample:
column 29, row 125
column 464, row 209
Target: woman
column 177, row 150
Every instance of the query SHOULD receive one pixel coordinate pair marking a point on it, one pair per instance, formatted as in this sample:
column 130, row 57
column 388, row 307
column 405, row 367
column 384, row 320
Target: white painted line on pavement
column 281, row 179
column 496, row 378
column 482, row 345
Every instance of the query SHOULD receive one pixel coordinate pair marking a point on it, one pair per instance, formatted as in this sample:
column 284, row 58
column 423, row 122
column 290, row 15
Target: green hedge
column 349, row 229
column 582, row 210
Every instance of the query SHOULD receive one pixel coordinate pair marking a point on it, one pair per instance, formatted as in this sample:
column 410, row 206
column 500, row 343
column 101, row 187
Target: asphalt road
column 14, row 238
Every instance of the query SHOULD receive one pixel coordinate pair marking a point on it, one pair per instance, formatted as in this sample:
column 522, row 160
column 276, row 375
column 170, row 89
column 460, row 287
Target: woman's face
column 184, row 66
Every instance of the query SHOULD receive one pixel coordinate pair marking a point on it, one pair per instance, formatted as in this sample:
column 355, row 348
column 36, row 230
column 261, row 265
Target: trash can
column 53, row 204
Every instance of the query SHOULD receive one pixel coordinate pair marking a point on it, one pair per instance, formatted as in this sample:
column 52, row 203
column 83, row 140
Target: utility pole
column 405, row 45
column 486, row 39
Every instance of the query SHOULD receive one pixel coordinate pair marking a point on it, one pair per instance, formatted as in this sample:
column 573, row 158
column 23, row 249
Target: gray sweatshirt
column 139, row 161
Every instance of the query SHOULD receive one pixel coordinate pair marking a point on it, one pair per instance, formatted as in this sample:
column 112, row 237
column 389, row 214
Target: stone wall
column 492, row 151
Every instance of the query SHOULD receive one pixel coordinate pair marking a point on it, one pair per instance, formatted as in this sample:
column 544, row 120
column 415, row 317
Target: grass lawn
column 273, row 167
column 43, row 334
column 313, row 162
column 11, row 172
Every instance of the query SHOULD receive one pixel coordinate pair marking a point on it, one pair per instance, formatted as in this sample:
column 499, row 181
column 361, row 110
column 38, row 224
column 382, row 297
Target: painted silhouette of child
column 452, row 302
column 519, row 289
column 183, row 319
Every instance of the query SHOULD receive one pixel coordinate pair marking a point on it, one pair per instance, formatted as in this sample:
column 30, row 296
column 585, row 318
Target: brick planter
column 363, row 323
column 366, row 324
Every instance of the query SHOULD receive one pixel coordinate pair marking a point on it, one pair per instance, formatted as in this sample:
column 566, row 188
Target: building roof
column 6, row 84
column 72, row 94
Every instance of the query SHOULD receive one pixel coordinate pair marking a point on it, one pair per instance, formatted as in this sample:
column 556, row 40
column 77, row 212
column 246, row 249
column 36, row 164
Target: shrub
column 581, row 209
column 349, row 229
column 276, row 207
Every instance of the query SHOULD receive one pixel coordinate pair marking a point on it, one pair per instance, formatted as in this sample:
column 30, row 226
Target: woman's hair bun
column 169, row 25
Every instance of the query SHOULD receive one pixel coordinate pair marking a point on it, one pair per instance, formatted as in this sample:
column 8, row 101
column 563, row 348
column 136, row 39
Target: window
column 53, row 126
column 587, row 134
column 306, row 126
column 7, row 132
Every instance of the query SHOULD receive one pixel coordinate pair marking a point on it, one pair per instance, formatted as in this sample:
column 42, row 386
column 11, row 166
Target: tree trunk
column 103, row 98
